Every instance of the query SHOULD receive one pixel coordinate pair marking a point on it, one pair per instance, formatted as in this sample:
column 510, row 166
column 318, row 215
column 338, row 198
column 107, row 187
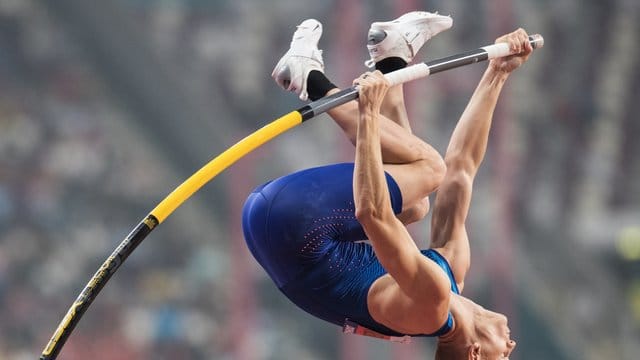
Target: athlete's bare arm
column 465, row 153
column 415, row 165
column 414, row 298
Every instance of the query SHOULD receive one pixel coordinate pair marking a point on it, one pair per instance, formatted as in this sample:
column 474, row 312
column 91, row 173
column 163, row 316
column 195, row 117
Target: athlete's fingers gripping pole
column 230, row 156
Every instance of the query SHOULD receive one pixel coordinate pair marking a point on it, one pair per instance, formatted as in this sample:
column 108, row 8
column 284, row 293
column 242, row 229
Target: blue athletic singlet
column 302, row 229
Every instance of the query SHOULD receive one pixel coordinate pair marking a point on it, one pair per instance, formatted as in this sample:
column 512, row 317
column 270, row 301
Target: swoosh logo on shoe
column 415, row 35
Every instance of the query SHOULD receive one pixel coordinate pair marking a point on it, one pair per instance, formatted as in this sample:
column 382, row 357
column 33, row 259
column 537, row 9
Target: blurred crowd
column 555, row 223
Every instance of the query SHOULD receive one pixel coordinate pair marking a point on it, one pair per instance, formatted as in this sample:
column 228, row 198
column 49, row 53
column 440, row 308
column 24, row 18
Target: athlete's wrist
column 495, row 76
column 369, row 109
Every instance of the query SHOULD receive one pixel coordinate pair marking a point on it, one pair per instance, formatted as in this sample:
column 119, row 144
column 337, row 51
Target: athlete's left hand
column 519, row 44
column 372, row 87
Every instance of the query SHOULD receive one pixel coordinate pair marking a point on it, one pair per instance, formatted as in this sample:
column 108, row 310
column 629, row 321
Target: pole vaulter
column 169, row 204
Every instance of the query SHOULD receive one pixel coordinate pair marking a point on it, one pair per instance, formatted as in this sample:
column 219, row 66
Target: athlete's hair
column 448, row 351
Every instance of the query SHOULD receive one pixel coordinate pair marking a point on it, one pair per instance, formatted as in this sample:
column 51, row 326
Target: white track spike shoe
column 292, row 70
column 404, row 36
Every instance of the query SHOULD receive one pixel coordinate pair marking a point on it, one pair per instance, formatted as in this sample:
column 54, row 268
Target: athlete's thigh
column 415, row 180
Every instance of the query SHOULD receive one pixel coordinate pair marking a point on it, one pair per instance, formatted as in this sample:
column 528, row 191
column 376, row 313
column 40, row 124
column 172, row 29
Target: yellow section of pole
column 222, row 161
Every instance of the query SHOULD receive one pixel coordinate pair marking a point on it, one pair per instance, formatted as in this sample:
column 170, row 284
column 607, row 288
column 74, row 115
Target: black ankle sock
column 390, row 64
column 318, row 85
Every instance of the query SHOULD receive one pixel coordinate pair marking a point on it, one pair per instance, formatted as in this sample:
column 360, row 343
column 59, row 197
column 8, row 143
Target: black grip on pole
column 97, row 282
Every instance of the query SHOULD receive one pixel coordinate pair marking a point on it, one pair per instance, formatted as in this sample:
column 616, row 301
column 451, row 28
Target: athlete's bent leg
column 392, row 45
column 415, row 165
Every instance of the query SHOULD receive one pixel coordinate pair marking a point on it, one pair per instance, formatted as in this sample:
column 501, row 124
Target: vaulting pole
column 184, row 191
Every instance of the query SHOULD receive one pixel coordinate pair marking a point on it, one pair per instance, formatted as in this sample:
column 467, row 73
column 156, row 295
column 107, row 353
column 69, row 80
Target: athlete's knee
column 420, row 179
column 439, row 168
column 432, row 170
column 415, row 212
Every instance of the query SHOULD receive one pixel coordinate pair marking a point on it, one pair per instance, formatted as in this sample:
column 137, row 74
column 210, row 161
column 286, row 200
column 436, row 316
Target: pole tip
column 537, row 41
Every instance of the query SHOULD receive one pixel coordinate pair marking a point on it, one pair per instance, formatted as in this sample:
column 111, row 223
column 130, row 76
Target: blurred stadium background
column 106, row 106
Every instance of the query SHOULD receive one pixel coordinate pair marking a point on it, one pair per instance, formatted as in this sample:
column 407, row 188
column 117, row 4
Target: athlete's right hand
column 372, row 88
column 519, row 44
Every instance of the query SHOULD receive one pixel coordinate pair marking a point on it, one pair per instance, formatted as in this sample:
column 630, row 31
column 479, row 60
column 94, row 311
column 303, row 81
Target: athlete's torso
column 302, row 229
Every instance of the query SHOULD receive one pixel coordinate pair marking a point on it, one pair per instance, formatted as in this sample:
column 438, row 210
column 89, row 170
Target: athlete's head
column 479, row 334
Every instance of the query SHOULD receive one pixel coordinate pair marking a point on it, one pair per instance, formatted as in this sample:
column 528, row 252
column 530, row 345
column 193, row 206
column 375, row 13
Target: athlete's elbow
column 439, row 169
column 371, row 214
column 366, row 214
column 462, row 162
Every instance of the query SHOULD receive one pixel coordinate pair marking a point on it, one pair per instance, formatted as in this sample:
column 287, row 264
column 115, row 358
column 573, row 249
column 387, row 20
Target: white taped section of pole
column 497, row 50
column 500, row 50
column 407, row 74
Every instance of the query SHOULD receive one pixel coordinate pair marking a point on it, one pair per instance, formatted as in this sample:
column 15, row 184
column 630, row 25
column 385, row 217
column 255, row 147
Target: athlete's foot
column 303, row 56
column 403, row 37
